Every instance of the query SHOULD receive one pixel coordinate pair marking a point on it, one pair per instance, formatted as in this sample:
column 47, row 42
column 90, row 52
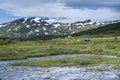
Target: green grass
column 72, row 45
column 98, row 69
column 72, row 61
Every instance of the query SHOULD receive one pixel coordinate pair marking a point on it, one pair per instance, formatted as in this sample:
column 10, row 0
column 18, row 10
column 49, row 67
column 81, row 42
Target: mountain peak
column 87, row 21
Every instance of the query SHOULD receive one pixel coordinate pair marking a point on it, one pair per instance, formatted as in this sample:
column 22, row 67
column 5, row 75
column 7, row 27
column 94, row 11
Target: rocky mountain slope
column 39, row 27
column 31, row 27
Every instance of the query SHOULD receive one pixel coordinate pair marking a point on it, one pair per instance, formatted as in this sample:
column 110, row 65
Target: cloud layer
column 93, row 4
column 73, row 10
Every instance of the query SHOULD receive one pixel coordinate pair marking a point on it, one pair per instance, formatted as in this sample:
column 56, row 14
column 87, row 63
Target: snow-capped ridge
column 37, row 20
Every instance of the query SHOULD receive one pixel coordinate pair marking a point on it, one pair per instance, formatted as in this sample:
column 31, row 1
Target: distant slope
column 104, row 31
column 43, row 28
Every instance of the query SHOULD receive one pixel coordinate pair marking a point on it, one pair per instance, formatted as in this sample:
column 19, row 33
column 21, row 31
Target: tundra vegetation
column 15, row 49
column 74, row 45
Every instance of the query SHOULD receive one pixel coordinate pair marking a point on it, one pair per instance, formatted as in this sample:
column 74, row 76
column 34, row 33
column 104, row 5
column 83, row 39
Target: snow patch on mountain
column 28, row 26
column 50, row 21
column 2, row 25
column 36, row 30
column 90, row 23
column 39, row 24
column 79, row 24
column 44, row 28
column 16, row 28
column 8, row 30
column 25, row 19
column 56, row 25
column 37, row 20
column 46, row 33
column 55, row 31
column 46, row 24
column 70, row 29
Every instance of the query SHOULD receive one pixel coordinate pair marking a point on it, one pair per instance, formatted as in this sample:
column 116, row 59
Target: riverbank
column 73, row 60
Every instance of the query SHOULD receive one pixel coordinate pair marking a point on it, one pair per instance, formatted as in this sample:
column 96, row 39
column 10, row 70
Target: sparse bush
column 116, row 38
column 8, row 41
column 5, row 42
column 85, row 63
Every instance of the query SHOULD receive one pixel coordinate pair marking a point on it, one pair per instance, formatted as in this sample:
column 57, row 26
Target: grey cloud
column 92, row 4
column 71, row 9
column 79, row 4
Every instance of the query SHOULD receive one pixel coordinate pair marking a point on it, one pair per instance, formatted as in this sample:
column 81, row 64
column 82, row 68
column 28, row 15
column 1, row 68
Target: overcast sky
column 68, row 10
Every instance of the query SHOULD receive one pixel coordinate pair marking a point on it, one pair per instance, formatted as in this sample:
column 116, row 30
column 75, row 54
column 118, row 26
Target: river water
column 10, row 72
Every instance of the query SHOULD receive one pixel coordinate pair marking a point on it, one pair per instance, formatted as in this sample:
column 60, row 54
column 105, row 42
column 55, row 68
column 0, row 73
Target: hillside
column 43, row 28
column 103, row 31
column 46, row 28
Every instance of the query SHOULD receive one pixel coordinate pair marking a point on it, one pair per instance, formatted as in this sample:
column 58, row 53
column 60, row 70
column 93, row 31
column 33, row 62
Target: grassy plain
column 71, row 45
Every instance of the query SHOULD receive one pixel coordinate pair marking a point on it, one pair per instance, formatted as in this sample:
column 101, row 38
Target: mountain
column 112, row 29
column 39, row 27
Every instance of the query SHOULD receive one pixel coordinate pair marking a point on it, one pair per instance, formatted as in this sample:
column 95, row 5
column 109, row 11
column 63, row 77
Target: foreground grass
column 72, row 61
column 72, row 45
